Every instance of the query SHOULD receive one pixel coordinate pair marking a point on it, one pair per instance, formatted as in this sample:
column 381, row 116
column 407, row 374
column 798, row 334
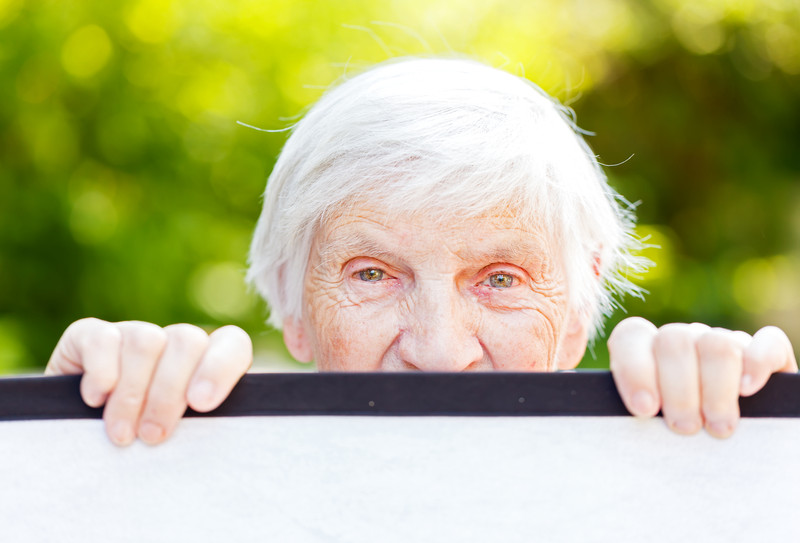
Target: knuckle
column 239, row 351
column 742, row 338
column 674, row 338
column 145, row 337
column 629, row 327
column 773, row 339
column 719, row 345
column 676, row 328
column 86, row 323
column 774, row 332
column 185, row 335
column 236, row 333
column 99, row 335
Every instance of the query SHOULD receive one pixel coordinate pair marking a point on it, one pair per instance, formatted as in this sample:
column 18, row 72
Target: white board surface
column 385, row 479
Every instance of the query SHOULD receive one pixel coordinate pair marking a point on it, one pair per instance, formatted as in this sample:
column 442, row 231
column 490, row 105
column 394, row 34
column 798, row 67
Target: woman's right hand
column 146, row 375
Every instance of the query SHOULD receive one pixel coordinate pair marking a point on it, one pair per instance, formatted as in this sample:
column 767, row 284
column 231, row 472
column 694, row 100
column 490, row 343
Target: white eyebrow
column 361, row 244
column 519, row 252
column 357, row 243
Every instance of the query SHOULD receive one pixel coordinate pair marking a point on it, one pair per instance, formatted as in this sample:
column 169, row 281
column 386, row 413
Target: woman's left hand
column 693, row 373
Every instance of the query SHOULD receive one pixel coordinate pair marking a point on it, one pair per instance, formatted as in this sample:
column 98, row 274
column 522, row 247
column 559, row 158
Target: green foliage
column 128, row 191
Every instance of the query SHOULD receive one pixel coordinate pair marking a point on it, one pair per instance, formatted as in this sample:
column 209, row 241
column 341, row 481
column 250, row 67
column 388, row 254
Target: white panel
column 385, row 479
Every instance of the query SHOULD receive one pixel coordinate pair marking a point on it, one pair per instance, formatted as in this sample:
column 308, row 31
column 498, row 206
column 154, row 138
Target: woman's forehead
column 494, row 236
column 442, row 218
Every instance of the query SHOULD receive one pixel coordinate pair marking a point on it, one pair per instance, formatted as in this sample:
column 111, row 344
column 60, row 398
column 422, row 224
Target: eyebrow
column 357, row 243
column 523, row 250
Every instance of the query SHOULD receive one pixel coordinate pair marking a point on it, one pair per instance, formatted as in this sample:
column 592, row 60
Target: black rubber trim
column 588, row 393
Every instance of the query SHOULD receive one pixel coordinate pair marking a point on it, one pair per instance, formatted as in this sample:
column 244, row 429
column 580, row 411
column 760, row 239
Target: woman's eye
column 500, row 280
column 371, row 274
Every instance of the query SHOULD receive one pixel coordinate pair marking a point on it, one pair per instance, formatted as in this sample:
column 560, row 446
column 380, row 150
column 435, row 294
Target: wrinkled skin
column 386, row 293
column 393, row 294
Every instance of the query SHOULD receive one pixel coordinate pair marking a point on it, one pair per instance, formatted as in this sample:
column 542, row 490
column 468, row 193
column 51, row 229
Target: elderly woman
column 433, row 215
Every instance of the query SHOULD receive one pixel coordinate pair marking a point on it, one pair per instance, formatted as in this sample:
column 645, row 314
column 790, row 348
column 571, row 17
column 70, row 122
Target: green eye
column 501, row 280
column 371, row 274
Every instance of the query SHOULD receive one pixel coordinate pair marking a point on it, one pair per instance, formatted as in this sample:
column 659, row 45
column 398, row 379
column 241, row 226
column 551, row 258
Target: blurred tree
column 128, row 191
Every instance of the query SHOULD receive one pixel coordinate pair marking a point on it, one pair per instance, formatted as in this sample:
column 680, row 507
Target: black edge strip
column 589, row 393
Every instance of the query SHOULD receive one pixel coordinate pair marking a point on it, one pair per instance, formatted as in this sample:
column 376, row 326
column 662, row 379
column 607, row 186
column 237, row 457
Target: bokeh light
column 86, row 51
column 218, row 289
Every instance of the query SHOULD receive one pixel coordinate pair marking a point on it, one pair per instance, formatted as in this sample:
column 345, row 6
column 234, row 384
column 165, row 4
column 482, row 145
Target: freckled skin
column 389, row 293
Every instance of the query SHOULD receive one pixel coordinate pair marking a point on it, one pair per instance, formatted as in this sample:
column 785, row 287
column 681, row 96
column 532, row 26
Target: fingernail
column 94, row 398
column 201, row 394
column 747, row 382
column 151, row 433
column 686, row 426
column 122, row 433
column 643, row 402
column 719, row 429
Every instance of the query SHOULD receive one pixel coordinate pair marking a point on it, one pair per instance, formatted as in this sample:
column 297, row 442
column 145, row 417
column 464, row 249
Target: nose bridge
column 440, row 334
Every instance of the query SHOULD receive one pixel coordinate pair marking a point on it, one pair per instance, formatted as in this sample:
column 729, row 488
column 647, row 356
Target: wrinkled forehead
column 442, row 215
column 495, row 235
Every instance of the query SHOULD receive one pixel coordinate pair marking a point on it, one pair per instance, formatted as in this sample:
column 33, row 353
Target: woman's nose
column 441, row 333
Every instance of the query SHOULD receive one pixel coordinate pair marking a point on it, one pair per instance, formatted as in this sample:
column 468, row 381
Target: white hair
column 453, row 138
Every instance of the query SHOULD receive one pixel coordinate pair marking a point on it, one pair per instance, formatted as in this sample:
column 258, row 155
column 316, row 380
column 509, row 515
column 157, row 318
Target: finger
column 141, row 347
column 166, row 397
column 227, row 358
column 743, row 339
column 720, row 358
column 633, row 366
column 678, row 376
column 770, row 351
column 91, row 347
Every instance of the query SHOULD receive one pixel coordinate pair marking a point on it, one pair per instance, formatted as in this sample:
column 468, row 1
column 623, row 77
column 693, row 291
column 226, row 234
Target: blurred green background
column 128, row 191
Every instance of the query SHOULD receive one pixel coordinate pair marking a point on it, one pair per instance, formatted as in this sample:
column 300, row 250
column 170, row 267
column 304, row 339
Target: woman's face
column 389, row 293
